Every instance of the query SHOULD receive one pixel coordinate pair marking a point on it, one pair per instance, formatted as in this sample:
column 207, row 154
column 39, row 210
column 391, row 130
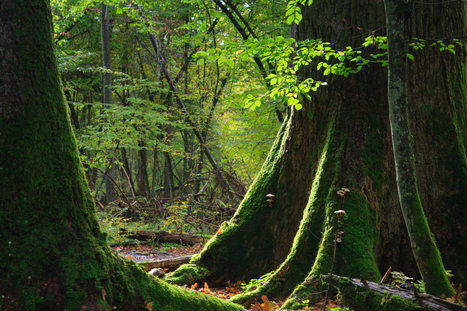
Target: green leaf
column 200, row 62
column 410, row 56
column 292, row 101
column 298, row 106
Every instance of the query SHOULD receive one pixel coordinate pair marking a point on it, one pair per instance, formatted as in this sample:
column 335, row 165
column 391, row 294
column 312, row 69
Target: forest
column 233, row 155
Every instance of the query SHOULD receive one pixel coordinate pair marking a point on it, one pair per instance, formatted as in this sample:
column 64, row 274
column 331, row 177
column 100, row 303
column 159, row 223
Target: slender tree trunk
column 198, row 170
column 154, row 172
column 110, row 192
column 126, row 167
column 186, row 148
column 342, row 138
column 169, row 187
column 143, row 182
column 53, row 255
column 424, row 249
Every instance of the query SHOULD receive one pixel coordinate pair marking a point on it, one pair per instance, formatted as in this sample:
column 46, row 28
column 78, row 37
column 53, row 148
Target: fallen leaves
column 140, row 253
column 266, row 305
column 458, row 296
column 223, row 293
column 206, row 288
column 149, row 305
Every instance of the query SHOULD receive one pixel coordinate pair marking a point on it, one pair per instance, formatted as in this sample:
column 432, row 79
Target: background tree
column 53, row 254
column 110, row 194
column 341, row 138
column 152, row 138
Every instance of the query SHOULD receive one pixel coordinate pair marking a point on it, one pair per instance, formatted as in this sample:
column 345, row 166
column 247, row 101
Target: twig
column 204, row 187
column 385, row 277
column 100, row 204
column 129, row 182
column 439, row 39
column 241, row 196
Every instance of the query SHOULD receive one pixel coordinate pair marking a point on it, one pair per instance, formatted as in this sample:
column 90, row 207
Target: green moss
column 187, row 274
column 52, row 253
column 313, row 244
column 358, row 298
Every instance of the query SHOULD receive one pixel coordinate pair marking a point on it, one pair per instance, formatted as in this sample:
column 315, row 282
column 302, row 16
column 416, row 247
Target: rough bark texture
column 52, row 253
column 342, row 139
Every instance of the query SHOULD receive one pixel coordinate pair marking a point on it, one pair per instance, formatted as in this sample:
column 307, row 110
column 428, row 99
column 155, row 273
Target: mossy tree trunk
column 424, row 248
column 340, row 139
column 52, row 253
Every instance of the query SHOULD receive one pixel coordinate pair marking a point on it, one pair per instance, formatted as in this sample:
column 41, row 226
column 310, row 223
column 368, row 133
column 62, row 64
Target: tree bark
column 53, row 255
column 424, row 249
column 169, row 187
column 341, row 138
column 110, row 193
column 143, row 181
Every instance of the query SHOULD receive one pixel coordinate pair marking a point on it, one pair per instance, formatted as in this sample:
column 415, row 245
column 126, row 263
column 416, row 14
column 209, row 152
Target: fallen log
column 182, row 239
column 171, row 264
column 365, row 296
column 162, row 237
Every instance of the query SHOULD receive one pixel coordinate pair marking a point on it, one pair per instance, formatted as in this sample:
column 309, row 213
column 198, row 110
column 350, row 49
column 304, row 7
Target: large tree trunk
column 52, row 253
column 342, row 139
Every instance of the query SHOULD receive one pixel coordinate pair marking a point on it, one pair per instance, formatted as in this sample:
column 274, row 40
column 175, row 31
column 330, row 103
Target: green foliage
column 112, row 223
column 254, row 283
column 178, row 213
column 144, row 115
column 420, row 285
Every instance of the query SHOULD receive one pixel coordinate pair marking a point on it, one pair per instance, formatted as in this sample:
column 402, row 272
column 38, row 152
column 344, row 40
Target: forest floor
column 148, row 253
column 141, row 253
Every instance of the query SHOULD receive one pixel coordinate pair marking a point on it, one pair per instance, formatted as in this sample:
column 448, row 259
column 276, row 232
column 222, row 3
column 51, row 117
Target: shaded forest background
column 141, row 151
